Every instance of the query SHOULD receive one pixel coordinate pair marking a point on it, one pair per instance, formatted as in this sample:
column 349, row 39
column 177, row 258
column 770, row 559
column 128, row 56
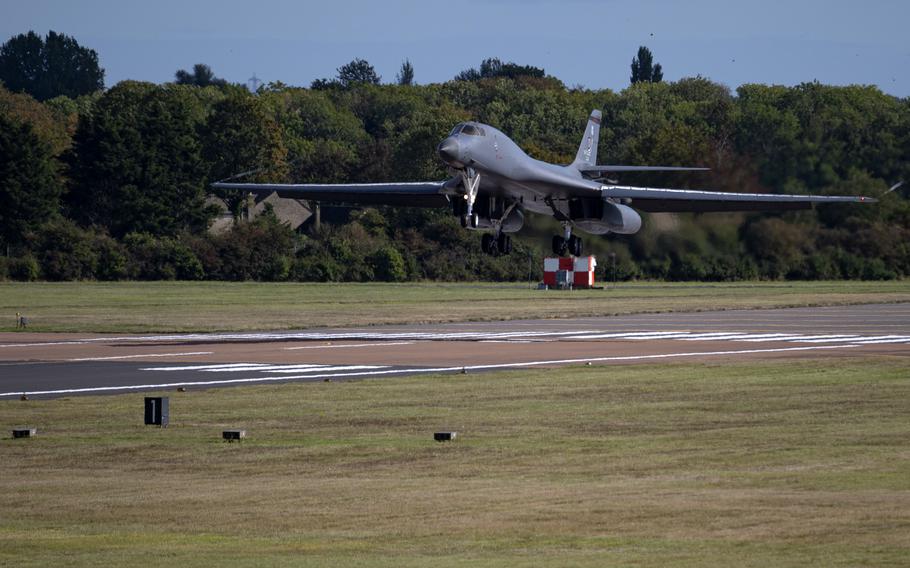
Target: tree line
column 113, row 184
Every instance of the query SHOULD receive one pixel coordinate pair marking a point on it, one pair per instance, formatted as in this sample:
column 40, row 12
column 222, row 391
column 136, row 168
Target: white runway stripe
column 737, row 336
column 798, row 338
column 264, row 368
column 879, row 341
column 45, row 344
column 220, row 367
column 255, row 380
column 139, row 356
column 631, row 335
column 298, row 369
column 856, row 338
column 383, row 344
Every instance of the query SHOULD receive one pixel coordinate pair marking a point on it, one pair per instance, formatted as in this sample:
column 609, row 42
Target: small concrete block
column 231, row 435
column 445, row 436
column 24, row 432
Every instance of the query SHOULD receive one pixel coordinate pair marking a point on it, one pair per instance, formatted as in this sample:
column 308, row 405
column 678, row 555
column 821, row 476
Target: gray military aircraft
column 494, row 183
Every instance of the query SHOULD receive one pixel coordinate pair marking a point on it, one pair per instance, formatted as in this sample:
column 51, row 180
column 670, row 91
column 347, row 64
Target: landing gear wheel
column 488, row 243
column 559, row 245
column 575, row 246
column 470, row 221
column 504, row 243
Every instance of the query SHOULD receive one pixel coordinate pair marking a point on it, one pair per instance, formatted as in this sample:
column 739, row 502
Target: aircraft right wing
column 656, row 200
column 408, row 194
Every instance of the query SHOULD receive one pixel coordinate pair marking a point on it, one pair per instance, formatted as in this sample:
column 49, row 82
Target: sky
column 586, row 43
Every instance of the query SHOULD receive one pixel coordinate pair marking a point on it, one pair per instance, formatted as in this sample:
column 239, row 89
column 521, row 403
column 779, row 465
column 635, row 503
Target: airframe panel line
column 416, row 371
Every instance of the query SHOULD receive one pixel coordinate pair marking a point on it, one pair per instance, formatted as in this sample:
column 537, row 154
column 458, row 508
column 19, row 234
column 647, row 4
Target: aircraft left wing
column 657, row 200
column 413, row 194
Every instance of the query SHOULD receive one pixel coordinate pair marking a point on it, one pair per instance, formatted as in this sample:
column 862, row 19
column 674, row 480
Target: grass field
column 747, row 464
column 220, row 306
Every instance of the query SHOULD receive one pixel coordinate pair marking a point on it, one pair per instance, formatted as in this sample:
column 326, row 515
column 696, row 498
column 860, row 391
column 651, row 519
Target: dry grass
column 211, row 306
column 781, row 463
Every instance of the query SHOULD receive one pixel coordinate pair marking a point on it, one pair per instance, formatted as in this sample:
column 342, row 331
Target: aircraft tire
column 488, row 243
column 504, row 243
column 575, row 246
column 559, row 245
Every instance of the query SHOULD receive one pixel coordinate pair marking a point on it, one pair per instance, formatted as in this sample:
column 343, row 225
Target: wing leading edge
column 413, row 194
column 657, row 200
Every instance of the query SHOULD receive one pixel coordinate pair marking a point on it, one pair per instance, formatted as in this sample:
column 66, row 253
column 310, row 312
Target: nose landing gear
column 568, row 244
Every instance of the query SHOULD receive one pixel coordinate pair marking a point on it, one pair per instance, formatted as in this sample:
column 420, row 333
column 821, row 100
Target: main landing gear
column 568, row 244
column 492, row 244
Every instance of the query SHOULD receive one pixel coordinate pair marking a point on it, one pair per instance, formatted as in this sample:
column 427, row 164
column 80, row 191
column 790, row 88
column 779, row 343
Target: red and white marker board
column 581, row 270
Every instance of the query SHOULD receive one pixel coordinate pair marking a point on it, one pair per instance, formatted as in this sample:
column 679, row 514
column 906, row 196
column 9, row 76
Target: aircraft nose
column 449, row 151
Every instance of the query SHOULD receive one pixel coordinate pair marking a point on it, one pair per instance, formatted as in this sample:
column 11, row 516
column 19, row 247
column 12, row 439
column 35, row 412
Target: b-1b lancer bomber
column 494, row 183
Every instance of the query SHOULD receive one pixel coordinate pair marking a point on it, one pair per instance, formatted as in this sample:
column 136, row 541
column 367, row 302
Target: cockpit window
column 468, row 129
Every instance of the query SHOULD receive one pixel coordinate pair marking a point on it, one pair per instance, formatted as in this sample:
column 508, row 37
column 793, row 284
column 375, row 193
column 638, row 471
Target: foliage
column 405, row 76
column 241, row 136
column 258, row 250
column 53, row 122
column 493, row 68
column 29, row 185
column 357, row 72
column 644, row 69
column 136, row 164
column 50, row 67
column 201, row 76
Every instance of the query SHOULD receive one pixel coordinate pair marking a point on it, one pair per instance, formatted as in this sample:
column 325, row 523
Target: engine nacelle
column 614, row 218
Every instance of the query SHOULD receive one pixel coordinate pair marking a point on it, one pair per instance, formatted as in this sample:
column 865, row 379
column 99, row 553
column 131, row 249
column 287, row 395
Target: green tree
column 240, row 136
column 358, row 71
column 30, row 188
column 136, row 164
column 388, row 265
column 259, row 250
column 406, row 74
column 201, row 76
column 644, row 69
column 53, row 66
column 48, row 124
column 493, row 67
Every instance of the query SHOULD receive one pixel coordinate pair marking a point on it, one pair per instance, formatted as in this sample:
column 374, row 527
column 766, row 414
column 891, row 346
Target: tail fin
column 587, row 151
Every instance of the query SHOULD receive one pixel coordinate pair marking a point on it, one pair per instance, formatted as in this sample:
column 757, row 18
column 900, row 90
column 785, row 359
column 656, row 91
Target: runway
column 51, row 365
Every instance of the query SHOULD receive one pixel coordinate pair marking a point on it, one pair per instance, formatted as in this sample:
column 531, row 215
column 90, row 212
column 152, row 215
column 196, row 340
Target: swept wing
column 408, row 194
column 657, row 200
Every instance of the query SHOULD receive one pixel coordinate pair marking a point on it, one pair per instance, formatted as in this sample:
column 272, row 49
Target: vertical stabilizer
column 587, row 151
